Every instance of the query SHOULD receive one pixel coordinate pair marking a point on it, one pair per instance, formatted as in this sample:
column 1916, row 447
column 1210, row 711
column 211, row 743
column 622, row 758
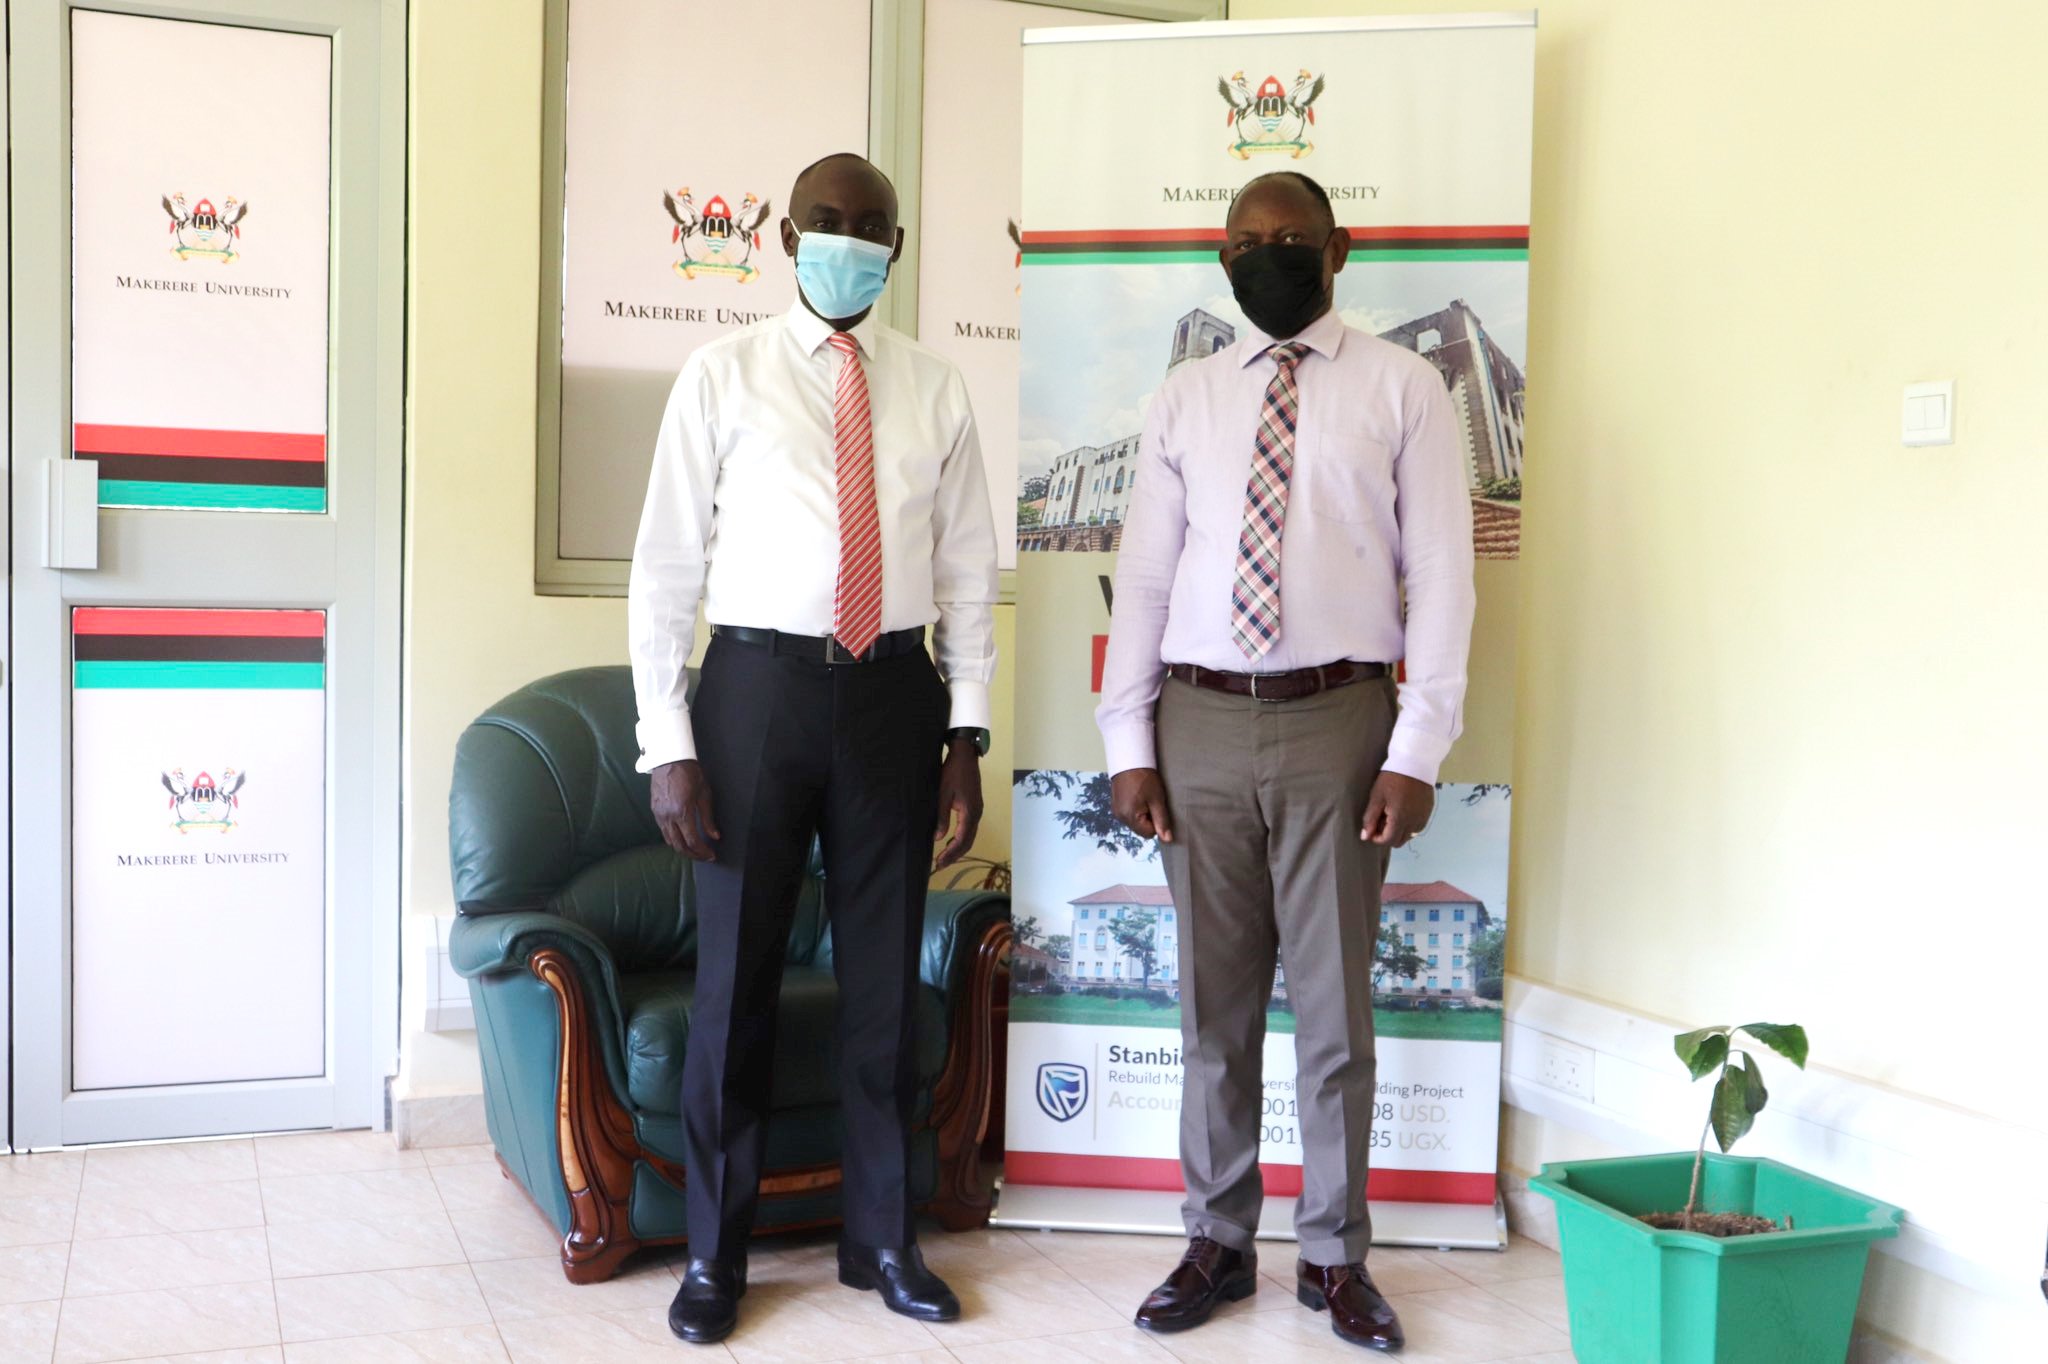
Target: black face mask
column 1279, row 286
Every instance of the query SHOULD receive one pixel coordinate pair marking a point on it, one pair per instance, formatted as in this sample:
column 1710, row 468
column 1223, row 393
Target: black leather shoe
column 1209, row 1273
column 707, row 1306
column 906, row 1286
column 1357, row 1311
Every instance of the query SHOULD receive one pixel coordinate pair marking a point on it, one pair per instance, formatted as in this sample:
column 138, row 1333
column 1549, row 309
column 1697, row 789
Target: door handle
column 71, row 513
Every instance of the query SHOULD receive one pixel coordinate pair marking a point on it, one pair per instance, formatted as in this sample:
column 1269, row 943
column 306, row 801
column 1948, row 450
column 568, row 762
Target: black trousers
column 850, row 754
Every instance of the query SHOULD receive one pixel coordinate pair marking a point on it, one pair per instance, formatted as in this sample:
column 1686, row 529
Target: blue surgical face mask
column 841, row 276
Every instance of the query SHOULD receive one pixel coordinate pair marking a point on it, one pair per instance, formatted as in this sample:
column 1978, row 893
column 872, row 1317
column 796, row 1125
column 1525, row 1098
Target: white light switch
column 1929, row 414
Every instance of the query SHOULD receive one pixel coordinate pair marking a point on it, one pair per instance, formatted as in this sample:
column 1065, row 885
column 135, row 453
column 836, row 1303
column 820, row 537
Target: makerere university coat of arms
column 717, row 241
column 204, row 803
column 203, row 230
column 1274, row 118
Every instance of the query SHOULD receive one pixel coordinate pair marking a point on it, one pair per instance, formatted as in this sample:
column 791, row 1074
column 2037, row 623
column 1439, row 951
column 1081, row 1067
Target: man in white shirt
column 817, row 484
column 1300, row 525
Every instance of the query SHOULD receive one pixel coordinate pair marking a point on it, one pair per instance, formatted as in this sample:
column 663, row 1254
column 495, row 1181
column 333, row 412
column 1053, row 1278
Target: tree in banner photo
column 1092, row 901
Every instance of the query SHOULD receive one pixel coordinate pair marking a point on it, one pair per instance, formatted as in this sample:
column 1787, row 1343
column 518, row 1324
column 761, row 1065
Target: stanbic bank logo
column 1062, row 1090
column 1273, row 118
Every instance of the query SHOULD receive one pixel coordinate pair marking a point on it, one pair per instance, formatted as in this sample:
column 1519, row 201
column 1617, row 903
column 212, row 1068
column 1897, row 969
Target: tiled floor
column 339, row 1247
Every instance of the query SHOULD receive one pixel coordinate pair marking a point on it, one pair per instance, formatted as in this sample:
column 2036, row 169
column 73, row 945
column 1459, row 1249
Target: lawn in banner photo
column 1098, row 933
column 1120, row 328
column 1460, row 1025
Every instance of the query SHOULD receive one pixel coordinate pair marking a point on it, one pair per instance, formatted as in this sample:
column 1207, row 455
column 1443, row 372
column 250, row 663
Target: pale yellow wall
column 1779, row 677
column 475, row 630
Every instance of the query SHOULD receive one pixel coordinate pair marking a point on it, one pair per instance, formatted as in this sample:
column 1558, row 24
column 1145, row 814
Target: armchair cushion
column 657, row 1007
column 954, row 920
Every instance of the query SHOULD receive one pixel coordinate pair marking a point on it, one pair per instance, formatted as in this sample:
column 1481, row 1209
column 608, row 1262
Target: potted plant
column 1698, row 1258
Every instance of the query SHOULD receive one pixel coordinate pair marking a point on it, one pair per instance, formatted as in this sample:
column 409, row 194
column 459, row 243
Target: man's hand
column 682, row 807
column 1138, row 798
column 959, row 800
column 1398, row 809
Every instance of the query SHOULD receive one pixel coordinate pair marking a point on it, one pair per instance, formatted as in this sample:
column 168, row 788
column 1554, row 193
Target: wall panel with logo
column 679, row 141
column 970, row 212
column 632, row 280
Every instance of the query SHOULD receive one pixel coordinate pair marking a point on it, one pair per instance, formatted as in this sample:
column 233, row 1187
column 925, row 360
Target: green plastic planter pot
column 1641, row 1296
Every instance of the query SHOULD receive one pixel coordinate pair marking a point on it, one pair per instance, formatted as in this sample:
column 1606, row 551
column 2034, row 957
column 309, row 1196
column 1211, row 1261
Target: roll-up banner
column 1136, row 139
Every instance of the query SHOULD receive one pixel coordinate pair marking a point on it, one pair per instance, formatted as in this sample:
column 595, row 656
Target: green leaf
column 1703, row 1050
column 1786, row 1039
column 1754, row 1095
column 1732, row 1116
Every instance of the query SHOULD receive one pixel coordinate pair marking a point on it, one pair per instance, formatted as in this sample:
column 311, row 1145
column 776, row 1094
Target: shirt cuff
column 1129, row 745
column 970, row 705
column 1414, row 753
column 665, row 738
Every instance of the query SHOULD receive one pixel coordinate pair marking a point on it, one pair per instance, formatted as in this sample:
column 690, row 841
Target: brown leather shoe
column 1209, row 1273
column 1357, row 1311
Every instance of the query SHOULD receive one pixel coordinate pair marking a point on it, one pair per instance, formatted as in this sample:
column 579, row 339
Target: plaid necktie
column 1255, row 598
column 857, row 605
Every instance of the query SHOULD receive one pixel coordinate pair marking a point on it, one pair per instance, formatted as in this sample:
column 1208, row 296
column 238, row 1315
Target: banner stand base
column 1429, row 1226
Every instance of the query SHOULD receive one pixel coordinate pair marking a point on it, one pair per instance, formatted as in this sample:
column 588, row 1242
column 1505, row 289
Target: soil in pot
column 1713, row 1223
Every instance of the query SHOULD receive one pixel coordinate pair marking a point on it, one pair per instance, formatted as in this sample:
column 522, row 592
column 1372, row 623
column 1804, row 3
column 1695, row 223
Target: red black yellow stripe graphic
column 155, row 647
column 1172, row 245
column 154, row 466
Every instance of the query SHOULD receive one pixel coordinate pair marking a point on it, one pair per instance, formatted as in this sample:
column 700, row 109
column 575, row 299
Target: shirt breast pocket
column 1350, row 477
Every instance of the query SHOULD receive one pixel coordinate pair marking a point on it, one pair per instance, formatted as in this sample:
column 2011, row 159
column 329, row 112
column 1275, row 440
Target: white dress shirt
column 742, row 511
column 1377, row 504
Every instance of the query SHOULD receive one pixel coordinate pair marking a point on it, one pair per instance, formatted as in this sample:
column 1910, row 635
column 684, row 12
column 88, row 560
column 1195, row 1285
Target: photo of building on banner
column 1083, row 405
column 1095, row 1003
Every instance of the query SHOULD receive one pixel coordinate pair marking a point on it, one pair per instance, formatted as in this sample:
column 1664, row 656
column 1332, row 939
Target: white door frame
column 6, row 616
column 346, row 560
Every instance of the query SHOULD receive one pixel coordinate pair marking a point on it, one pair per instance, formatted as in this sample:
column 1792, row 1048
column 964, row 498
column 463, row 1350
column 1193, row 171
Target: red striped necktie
column 1255, row 596
column 857, row 605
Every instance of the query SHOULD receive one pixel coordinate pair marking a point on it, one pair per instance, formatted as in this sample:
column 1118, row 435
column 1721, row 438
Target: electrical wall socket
column 1566, row 1067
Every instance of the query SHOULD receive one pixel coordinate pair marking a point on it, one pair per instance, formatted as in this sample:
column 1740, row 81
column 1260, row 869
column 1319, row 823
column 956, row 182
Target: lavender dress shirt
column 1377, row 506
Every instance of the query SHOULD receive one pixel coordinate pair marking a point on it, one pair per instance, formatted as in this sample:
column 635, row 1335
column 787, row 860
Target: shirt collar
column 812, row 331
column 1324, row 336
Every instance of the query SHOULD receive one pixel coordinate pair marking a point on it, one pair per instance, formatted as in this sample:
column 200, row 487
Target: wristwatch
column 979, row 737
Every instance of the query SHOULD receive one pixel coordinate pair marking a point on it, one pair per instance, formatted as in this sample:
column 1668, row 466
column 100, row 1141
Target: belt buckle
column 837, row 653
column 1269, row 700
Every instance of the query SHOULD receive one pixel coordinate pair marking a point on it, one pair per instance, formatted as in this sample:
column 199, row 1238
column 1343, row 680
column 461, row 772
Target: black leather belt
column 823, row 649
column 1294, row 686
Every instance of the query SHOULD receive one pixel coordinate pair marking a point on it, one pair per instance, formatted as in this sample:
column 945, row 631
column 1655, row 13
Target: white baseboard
column 439, row 1120
column 447, row 994
column 1530, row 1214
column 1975, row 1189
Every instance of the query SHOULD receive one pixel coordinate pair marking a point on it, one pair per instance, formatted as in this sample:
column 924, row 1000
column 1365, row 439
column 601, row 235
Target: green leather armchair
column 577, row 935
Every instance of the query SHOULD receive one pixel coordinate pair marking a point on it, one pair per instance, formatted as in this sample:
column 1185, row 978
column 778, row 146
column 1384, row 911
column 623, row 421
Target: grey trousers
column 1266, row 800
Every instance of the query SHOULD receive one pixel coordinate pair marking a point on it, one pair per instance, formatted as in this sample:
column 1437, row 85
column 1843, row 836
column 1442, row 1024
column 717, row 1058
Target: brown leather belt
column 1302, row 682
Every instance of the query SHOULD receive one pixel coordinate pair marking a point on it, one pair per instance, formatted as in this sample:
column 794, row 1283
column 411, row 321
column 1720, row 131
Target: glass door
column 207, row 230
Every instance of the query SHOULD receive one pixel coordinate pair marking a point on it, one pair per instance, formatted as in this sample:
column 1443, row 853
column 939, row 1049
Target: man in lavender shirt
column 1292, row 490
